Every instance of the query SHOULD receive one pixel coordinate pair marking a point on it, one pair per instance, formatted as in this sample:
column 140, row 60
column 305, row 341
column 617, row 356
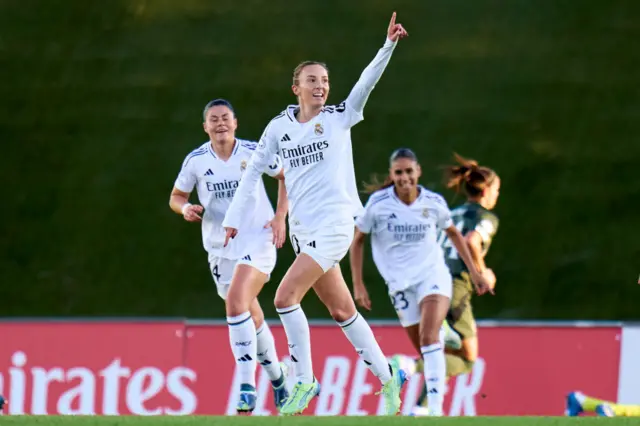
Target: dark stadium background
column 101, row 101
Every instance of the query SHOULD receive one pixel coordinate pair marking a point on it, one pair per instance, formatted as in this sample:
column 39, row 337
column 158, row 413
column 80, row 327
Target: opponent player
column 478, row 224
column 240, row 269
column 403, row 219
column 578, row 403
column 314, row 142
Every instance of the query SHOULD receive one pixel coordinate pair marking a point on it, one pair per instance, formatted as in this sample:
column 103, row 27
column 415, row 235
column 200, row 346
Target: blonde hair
column 298, row 69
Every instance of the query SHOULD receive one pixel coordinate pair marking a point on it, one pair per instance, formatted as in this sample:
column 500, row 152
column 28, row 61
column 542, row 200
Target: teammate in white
column 314, row 143
column 240, row 269
column 403, row 219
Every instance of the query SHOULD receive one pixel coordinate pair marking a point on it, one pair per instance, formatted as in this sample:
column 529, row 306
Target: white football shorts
column 263, row 258
column 326, row 246
column 407, row 302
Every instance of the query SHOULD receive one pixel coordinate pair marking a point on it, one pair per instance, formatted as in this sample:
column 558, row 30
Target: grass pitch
column 309, row 421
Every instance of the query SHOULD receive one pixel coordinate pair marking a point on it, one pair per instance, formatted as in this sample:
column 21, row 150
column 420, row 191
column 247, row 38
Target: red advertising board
column 95, row 368
column 169, row 368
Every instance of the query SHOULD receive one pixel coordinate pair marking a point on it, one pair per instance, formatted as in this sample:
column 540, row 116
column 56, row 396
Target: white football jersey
column 317, row 157
column 404, row 237
column 216, row 181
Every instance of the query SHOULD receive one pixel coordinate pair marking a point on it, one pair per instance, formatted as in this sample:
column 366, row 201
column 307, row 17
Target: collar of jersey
column 235, row 149
column 395, row 196
column 291, row 114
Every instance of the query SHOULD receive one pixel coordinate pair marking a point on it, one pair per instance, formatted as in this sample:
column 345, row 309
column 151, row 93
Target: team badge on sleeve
column 319, row 130
column 243, row 165
column 425, row 212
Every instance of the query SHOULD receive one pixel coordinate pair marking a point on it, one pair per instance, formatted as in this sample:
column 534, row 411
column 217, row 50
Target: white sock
column 434, row 375
column 296, row 327
column 267, row 355
column 242, row 335
column 361, row 337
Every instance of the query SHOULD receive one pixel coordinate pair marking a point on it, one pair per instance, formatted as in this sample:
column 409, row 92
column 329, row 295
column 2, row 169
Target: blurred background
column 101, row 101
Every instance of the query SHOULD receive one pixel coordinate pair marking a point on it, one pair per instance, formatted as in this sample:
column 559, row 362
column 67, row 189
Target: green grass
column 325, row 421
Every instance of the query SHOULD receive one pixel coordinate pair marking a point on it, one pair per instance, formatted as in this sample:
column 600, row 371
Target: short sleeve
column 487, row 226
column 186, row 179
column 366, row 221
column 443, row 221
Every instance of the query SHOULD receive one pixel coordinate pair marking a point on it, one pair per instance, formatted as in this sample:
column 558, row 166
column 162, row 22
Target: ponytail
column 468, row 176
column 375, row 185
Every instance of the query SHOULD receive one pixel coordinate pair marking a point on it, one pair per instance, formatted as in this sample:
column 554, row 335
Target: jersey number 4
column 450, row 251
column 215, row 274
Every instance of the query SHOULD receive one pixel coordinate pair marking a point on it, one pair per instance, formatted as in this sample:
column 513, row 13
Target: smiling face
column 405, row 173
column 220, row 124
column 311, row 84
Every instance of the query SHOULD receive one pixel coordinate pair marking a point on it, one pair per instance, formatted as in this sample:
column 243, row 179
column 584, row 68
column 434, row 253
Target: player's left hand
column 490, row 277
column 396, row 31
column 231, row 233
column 481, row 284
column 278, row 226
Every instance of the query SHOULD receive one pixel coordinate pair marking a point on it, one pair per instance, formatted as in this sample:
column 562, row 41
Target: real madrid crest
column 319, row 130
column 425, row 212
column 243, row 165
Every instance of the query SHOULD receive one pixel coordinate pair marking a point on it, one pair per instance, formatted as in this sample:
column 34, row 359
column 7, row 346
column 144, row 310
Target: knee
column 282, row 302
column 235, row 306
column 342, row 312
column 285, row 298
column 429, row 337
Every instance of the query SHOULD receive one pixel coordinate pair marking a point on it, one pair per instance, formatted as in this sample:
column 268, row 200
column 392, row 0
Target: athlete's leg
column 298, row 280
column 406, row 305
column 413, row 332
column 245, row 285
column 268, row 355
column 332, row 290
column 577, row 403
column 334, row 293
column 462, row 322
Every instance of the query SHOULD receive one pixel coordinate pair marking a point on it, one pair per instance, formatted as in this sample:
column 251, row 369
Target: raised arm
column 372, row 73
column 259, row 163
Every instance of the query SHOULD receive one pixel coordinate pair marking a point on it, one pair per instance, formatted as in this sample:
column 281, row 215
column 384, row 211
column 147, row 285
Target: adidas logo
column 285, row 138
column 312, row 244
column 392, row 216
column 435, row 287
column 209, row 173
column 245, row 358
column 247, row 257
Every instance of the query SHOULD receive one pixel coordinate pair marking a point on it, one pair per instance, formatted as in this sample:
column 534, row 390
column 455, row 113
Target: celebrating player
column 314, row 142
column 403, row 219
column 241, row 268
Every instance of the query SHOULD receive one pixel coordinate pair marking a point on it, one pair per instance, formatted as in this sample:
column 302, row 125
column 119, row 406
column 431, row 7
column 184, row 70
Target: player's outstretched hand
column 231, row 233
column 192, row 213
column 278, row 226
column 395, row 31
